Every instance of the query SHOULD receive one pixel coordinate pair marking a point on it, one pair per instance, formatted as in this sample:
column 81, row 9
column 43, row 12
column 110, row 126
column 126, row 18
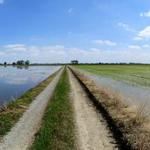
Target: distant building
column 74, row 62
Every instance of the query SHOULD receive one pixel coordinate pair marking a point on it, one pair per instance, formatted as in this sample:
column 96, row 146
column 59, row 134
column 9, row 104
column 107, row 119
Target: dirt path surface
column 91, row 129
column 21, row 135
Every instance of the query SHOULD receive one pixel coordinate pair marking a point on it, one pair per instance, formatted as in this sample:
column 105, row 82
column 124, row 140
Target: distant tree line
column 121, row 63
column 74, row 62
column 18, row 63
column 21, row 62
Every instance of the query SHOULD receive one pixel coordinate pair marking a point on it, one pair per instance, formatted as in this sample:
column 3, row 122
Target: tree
column 13, row 63
column 27, row 62
column 20, row 62
column 5, row 63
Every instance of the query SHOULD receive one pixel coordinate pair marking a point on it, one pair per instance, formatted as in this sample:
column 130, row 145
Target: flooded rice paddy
column 133, row 94
column 15, row 81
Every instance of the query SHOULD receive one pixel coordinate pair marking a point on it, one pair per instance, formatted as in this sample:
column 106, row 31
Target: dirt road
column 21, row 135
column 91, row 129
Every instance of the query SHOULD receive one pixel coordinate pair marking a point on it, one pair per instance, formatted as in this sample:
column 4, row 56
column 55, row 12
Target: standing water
column 133, row 94
column 15, row 81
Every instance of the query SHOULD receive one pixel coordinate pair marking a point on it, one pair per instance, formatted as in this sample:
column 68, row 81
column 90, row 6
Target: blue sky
column 87, row 30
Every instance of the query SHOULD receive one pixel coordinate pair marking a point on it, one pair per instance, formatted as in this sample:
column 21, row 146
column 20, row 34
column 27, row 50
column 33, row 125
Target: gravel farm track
column 91, row 129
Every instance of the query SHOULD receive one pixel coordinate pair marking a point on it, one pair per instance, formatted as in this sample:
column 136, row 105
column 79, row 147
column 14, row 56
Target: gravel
column 91, row 129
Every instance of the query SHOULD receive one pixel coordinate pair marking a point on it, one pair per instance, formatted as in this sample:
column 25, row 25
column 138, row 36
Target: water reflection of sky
column 130, row 93
column 14, row 81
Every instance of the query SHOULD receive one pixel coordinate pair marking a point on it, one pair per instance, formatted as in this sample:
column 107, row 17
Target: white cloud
column 70, row 10
column 145, row 14
column 125, row 26
column 138, row 47
column 15, row 47
column 137, row 38
column 104, row 42
column 134, row 46
column 144, row 34
column 1, row 1
column 62, row 54
column 146, row 46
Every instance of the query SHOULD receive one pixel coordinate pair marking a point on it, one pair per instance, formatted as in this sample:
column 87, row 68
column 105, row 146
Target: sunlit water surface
column 130, row 93
column 15, row 81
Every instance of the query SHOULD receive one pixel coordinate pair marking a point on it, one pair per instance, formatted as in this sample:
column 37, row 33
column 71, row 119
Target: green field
column 134, row 74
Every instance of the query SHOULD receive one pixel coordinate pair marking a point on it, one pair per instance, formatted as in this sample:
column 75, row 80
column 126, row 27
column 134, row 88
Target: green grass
column 14, row 110
column 57, row 128
column 134, row 74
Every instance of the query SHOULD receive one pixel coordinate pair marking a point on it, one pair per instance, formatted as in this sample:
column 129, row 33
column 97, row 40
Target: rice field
column 133, row 74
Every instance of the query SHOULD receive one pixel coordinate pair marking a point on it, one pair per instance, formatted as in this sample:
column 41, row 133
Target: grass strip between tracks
column 11, row 113
column 57, row 128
